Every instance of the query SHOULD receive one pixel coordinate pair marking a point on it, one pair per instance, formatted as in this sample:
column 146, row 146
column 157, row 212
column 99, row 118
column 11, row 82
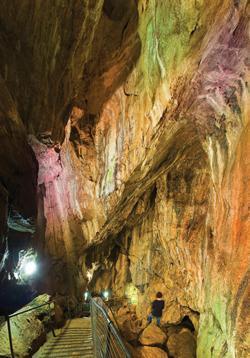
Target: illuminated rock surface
column 152, row 335
column 28, row 331
column 150, row 352
column 138, row 117
column 182, row 345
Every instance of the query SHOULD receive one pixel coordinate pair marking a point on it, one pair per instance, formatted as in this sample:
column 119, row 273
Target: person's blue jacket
column 157, row 307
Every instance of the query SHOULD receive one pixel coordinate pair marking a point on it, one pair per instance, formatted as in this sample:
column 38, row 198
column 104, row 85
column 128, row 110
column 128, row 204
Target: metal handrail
column 8, row 317
column 106, row 338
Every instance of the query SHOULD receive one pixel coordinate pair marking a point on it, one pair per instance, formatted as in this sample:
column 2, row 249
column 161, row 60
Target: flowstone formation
column 125, row 133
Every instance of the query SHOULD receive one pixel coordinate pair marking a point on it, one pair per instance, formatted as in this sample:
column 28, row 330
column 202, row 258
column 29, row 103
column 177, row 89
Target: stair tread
column 74, row 340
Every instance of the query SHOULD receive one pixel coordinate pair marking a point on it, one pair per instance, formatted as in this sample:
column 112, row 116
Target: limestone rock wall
column 198, row 117
column 3, row 226
column 28, row 329
column 138, row 115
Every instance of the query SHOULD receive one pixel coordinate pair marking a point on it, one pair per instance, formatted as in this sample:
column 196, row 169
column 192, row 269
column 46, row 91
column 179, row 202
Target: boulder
column 152, row 335
column 182, row 344
column 132, row 349
column 27, row 330
column 150, row 352
column 130, row 329
column 127, row 331
column 129, row 325
column 123, row 311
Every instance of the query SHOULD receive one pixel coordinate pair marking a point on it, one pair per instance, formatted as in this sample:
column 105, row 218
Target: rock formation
column 125, row 154
column 28, row 329
column 150, row 352
column 152, row 335
column 182, row 344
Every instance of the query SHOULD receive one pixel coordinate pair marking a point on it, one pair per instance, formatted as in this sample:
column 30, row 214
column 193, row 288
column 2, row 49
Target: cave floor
column 73, row 340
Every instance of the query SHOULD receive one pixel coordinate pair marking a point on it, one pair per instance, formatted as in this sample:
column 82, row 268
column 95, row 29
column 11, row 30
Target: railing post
column 108, row 341
column 50, row 318
column 10, row 338
column 93, row 326
column 69, row 314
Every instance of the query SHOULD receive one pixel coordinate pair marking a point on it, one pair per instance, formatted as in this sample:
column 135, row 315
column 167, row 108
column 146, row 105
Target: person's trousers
column 150, row 318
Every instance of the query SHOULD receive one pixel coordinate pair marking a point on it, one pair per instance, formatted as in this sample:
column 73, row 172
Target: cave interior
column 125, row 166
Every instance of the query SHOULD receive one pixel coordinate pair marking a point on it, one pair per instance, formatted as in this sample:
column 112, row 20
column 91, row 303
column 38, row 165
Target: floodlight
column 106, row 294
column 30, row 268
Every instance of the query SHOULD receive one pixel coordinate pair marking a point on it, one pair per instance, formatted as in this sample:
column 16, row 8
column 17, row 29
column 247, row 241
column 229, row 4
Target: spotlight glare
column 106, row 294
column 86, row 295
column 30, row 268
column 16, row 275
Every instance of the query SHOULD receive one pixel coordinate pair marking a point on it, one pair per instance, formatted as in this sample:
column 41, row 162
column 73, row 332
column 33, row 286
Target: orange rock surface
column 125, row 137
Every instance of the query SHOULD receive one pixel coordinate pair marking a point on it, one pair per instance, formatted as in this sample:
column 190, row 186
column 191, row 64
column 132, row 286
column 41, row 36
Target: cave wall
column 18, row 175
column 137, row 113
column 202, row 103
column 59, row 63
column 3, row 226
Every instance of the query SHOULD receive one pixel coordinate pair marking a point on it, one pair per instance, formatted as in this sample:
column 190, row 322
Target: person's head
column 159, row 295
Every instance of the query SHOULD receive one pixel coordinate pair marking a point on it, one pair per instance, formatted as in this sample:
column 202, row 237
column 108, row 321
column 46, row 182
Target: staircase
column 75, row 340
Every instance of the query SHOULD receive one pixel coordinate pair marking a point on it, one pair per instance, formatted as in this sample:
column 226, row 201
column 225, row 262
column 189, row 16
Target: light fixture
column 106, row 295
column 30, row 268
column 89, row 276
column 86, row 295
column 16, row 275
column 27, row 266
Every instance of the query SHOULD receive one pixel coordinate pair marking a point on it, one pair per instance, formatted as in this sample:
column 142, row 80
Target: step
column 73, row 351
column 68, row 347
column 67, row 355
column 72, row 342
column 68, row 340
column 69, row 344
column 71, row 337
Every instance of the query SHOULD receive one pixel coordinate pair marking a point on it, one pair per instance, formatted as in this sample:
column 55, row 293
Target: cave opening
column 187, row 323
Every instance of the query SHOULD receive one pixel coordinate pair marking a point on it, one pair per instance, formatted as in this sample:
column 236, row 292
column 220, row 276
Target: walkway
column 73, row 340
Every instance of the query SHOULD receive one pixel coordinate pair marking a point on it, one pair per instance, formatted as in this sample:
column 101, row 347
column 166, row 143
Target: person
column 157, row 308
